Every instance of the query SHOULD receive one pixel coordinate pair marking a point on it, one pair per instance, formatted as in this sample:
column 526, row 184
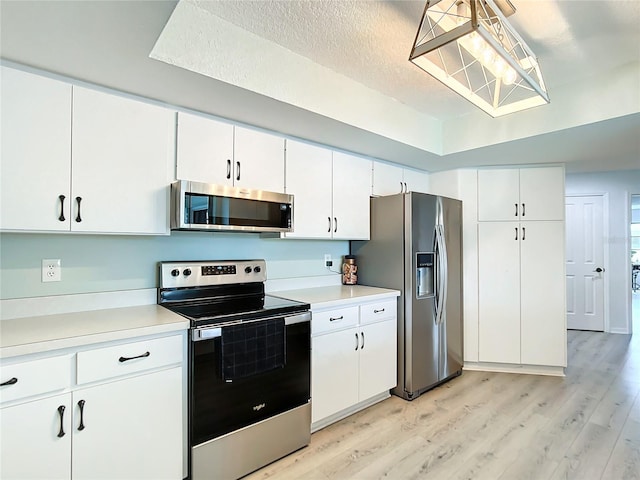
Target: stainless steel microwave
column 203, row 206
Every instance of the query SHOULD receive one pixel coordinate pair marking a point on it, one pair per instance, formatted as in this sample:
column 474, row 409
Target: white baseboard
column 515, row 368
column 325, row 422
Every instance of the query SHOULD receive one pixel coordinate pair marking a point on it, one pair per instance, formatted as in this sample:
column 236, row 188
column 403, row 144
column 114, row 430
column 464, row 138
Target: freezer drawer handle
column 81, row 405
column 61, row 413
column 12, row 381
column 335, row 319
column 126, row 359
column 378, row 311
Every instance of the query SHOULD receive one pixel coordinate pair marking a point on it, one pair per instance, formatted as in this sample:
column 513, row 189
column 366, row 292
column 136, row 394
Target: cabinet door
column 334, row 373
column 543, row 289
column 308, row 174
column 499, row 292
column 542, row 193
column 377, row 358
column 258, row 160
column 204, row 150
column 416, row 180
column 122, row 151
column 31, row 445
column 35, row 156
column 498, row 195
column 351, row 193
column 132, row 428
column 387, row 179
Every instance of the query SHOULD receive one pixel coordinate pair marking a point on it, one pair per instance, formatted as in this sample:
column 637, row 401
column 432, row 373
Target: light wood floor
column 494, row 426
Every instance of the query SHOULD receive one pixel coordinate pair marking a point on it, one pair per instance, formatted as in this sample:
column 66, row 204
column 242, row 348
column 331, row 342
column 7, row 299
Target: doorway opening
column 635, row 262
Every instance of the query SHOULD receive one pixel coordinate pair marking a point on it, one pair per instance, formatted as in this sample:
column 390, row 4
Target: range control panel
column 214, row 272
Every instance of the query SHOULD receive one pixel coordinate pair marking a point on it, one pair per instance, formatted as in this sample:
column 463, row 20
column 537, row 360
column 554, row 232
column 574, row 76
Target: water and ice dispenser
column 425, row 271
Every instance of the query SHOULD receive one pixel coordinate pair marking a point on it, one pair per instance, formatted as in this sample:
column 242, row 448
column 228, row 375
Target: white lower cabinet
column 126, row 422
column 353, row 359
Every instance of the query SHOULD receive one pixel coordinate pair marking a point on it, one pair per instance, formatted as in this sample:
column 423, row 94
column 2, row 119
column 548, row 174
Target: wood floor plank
column 494, row 426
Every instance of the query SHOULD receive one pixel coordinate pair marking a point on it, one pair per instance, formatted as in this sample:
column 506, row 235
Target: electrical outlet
column 51, row 270
column 327, row 260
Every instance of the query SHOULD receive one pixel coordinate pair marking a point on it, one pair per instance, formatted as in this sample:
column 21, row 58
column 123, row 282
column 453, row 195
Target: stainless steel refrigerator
column 416, row 247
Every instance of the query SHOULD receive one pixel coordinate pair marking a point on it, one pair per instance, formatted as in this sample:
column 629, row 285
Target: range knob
column 247, row 269
column 257, row 269
column 186, row 272
column 175, row 272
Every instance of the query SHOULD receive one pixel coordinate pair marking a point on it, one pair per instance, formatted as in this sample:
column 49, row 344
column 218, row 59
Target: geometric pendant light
column 471, row 47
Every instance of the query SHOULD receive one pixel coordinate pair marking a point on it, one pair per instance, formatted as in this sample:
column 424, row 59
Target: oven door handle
column 206, row 333
column 199, row 334
column 299, row 318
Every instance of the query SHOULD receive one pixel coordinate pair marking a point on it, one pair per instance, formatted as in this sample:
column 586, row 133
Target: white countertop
column 336, row 296
column 23, row 336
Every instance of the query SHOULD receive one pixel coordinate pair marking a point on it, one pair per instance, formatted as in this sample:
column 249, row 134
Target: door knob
column 599, row 270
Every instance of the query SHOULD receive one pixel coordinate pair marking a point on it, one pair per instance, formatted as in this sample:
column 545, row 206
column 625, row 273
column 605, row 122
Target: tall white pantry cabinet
column 521, row 282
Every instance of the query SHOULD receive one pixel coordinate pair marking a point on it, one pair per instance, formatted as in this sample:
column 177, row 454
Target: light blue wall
column 99, row 263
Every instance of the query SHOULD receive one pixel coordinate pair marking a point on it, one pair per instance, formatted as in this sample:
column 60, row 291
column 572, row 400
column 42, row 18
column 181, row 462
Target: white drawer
column 35, row 377
column 374, row 312
column 107, row 362
column 329, row 320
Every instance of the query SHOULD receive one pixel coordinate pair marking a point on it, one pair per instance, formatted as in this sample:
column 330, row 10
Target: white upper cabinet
column 79, row 160
column 387, row 179
column 204, row 151
column 521, row 194
column 210, row 151
column 308, row 173
column 122, row 153
column 391, row 179
column 258, row 160
column 351, row 194
column 35, row 158
column 331, row 192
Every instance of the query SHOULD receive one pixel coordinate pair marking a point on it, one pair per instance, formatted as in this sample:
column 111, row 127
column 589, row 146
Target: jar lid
column 350, row 257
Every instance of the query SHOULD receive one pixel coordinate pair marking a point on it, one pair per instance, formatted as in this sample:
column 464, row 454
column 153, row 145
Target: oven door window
column 239, row 212
column 219, row 407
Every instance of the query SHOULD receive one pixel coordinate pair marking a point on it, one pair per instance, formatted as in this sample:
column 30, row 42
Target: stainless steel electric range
column 249, row 366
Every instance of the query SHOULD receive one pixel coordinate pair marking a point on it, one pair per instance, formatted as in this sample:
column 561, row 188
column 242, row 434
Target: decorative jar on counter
column 349, row 270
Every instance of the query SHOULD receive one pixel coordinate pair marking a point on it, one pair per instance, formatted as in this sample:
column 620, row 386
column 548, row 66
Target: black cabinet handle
column 523, row 213
column 406, row 189
column 228, row 169
column 524, row 234
column 12, row 381
column 61, row 413
column 329, row 229
column 362, row 335
column 335, row 227
column 81, row 405
column 78, row 217
column 401, row 188
column 334, row 319
column 126, row 359
column 516, row 234
column 516, row 209
column 237, row 170
column 357, row 342
column 378, row 311
column 61, row 217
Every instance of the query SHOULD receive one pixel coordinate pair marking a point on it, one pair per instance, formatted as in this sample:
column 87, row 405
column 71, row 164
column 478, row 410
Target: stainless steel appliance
column 416, row 247
column 203, row 206
column 249, row 366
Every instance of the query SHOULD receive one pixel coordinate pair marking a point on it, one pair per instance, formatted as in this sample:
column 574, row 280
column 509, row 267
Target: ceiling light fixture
column 471, row 47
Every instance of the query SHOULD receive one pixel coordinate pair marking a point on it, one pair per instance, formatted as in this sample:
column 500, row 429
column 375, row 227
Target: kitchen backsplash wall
column 103, row 263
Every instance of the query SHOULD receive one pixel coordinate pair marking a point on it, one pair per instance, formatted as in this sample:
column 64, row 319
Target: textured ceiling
column 370, row 41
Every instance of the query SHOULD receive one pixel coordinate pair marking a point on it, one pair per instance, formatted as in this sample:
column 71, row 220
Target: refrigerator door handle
column 445, row 272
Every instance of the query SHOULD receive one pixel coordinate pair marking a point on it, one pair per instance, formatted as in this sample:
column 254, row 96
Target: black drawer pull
column 13, row 381
column 126, row 359
column 333, row 319
column 61, row 413
column 378, row 311
column 81, row 405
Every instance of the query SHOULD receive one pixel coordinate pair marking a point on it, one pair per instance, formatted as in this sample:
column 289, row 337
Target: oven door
column 231, row 387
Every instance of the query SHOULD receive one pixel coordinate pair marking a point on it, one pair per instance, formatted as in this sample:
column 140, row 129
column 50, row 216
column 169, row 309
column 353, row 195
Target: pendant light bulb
column 509, row 76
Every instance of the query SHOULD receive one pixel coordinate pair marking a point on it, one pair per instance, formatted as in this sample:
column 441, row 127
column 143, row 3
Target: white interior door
column 585, row 256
